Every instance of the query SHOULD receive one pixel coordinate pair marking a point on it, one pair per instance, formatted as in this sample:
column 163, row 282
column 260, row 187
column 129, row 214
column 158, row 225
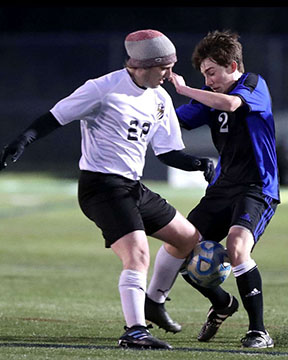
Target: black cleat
column 215, row 318
column 139, row 337
column 157, row 313
column 257, row 340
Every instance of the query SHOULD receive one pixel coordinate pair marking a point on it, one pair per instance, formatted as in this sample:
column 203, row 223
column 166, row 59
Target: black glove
column 39, row 128
column 181, row 160
column 207, row 166
column 15, row 148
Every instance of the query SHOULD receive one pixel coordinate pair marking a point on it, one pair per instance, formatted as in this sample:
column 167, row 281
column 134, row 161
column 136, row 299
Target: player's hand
column 206, row 165
column 14, row 149
column 178, row 81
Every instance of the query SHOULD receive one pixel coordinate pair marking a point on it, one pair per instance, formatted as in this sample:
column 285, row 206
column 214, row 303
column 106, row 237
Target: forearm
column 214, row 100
column 40, row 127
column 180, row 160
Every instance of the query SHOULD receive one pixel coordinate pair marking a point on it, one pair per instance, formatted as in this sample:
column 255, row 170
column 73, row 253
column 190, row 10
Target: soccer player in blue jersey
column 244, row 193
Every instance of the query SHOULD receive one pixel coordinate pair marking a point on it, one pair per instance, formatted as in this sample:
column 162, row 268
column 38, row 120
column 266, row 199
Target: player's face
column 155, row 76
column 217, row 77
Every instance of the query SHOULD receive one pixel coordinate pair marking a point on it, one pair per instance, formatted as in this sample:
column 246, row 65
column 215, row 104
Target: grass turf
column 59, row 297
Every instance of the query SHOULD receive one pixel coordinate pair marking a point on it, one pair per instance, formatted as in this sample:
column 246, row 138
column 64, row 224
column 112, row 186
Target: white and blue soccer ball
column 208, row 264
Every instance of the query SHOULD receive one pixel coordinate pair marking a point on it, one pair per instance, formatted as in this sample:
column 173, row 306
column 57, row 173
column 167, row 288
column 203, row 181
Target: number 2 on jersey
column 134, row 128
column 223, row 119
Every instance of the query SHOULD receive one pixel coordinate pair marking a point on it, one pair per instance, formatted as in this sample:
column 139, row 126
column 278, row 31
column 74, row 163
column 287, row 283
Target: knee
column 238, row 254
column 138, row 260
column 189, row 241
column 239, row 245
column 183, row 247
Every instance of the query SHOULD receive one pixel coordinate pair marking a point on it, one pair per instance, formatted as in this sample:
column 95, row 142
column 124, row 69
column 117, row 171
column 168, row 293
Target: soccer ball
column 208, row 264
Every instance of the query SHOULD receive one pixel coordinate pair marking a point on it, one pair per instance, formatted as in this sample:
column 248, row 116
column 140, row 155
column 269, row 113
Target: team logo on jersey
column 160, row 111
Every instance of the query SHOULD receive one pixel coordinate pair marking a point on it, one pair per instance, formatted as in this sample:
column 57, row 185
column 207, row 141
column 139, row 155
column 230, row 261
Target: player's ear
column 233, row 66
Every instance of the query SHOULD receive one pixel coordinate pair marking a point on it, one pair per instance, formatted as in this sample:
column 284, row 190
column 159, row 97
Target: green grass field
column 59, row 285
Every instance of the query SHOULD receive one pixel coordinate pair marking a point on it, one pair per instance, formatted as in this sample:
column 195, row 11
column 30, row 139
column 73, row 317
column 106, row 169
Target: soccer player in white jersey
column 120, row 114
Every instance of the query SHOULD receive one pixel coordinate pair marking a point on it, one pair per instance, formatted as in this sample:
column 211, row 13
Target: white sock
column 165, row 272
column 243, row 268
column 132, row 288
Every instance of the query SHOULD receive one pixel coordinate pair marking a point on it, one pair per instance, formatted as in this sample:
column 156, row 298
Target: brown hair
column 222, row 47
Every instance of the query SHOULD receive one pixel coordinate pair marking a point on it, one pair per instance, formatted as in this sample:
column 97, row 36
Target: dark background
column 126, row 18
column 46, row 52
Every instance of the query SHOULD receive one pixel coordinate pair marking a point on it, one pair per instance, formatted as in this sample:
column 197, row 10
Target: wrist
column 181, row 89
column 197, row 164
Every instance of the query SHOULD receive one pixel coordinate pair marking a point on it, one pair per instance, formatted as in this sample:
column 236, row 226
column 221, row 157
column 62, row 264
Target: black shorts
column 222, row 208
column 119, row 206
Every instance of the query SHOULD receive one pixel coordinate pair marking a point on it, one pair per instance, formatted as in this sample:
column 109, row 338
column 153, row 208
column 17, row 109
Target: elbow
column 233, row 107
column 229, row 106
column 233, row 103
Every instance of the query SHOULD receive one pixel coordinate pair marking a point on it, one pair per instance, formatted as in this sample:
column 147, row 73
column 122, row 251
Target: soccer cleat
column 139, row 337
column 157, row 313
column 215, row 318
column 257, row 339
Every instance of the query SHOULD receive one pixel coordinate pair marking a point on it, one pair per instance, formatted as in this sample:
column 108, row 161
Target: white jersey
column 118, row 121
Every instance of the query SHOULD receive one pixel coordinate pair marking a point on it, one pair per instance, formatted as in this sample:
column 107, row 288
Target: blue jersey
column 244, row 139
